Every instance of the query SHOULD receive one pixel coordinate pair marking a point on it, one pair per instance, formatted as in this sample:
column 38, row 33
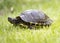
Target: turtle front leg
column 41, row 26
column 30, row 27
column 15, row 25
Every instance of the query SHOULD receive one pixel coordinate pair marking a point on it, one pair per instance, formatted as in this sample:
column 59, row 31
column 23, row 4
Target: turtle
column 31, row 18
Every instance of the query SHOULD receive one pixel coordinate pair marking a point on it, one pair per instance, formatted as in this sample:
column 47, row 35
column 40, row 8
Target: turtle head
column 13, row 21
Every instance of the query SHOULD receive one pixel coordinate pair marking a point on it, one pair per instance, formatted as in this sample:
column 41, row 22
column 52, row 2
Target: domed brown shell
column 34, row 16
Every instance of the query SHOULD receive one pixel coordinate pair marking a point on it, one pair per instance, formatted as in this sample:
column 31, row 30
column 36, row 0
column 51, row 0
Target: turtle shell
column 34, row 16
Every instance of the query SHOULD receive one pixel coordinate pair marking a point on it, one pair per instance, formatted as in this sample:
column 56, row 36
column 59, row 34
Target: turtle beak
column 10, row 20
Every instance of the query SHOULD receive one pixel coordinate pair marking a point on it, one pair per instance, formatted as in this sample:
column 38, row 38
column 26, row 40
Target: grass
column 11, row 34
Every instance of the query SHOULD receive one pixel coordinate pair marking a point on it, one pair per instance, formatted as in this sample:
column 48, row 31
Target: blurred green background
column 11, row 34
column 20, row 5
